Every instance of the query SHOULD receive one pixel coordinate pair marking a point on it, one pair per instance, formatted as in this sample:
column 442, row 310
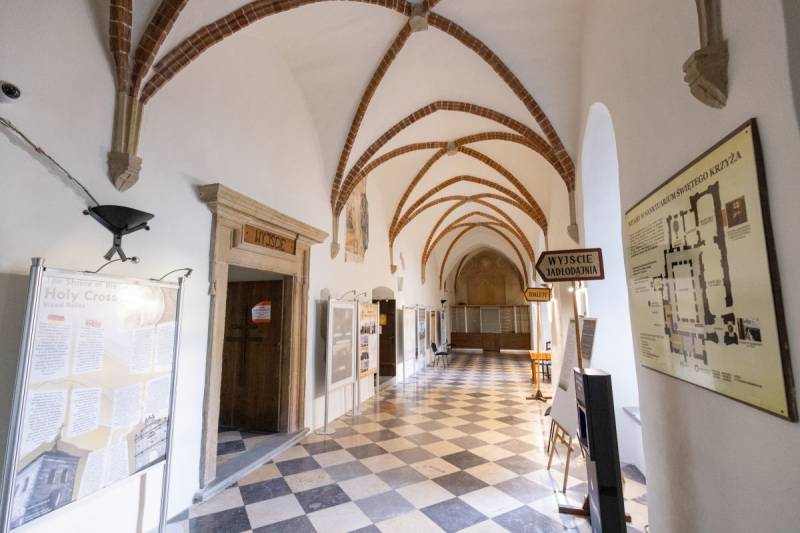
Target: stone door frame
column 231, row 211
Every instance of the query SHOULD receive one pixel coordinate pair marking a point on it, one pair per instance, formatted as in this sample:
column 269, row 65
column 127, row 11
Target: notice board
column 409, row 337
column 368, row 339
column 341, row 347
column 94, row 390
column 565, row 407
column 704, row 289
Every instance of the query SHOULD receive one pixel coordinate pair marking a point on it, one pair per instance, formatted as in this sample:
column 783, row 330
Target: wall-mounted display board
column 705, row 296
column 422, row 332
column 409, row 337
column 570, row 361
column 341, row 364
column 94, row 392
column 368, row 339
column 565, row 408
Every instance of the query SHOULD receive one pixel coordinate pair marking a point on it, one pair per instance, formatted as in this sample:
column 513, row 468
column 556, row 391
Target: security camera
column 9, row 92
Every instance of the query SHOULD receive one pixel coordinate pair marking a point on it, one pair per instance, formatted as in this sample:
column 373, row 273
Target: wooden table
column 536, row 359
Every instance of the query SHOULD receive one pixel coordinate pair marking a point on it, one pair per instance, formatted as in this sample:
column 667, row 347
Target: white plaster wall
column 260, row 140
column 602, row 223
column 714, row 465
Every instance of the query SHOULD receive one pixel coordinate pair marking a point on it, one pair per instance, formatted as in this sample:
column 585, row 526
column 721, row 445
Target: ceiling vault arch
column 408, row 217
column 508, row 225
column 533, row 207
column 472, row 253
column 135, row 89
column 471, row 227
column 540, row 147
column 504, row 220
column 440, row 105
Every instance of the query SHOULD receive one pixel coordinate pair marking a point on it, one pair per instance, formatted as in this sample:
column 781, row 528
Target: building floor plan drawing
column 695, row 287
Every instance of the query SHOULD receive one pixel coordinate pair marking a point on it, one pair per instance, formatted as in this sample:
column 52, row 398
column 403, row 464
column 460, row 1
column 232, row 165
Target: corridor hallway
column 459, row 449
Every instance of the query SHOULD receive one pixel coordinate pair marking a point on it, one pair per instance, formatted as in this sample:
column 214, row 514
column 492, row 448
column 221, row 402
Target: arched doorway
column 387, row 343
column 602, row 220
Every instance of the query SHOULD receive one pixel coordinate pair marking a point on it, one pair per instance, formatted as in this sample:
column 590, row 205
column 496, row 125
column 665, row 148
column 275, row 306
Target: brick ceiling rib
column 508, row 193
column 540, row 146
column 120, row 20
column 410, row 216
column 194, row 45
column 532, row 208
column 504, row 220
column 469, row 255
column 157, row 30
column 209, row 35
column 353, row 176
column 131, row 76
column 471, row 227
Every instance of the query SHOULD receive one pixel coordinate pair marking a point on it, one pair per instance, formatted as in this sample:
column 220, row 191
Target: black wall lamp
column 119, row 220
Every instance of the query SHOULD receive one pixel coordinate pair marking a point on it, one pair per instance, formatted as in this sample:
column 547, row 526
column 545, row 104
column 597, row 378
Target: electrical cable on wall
column 119, row 220
column 10, row 126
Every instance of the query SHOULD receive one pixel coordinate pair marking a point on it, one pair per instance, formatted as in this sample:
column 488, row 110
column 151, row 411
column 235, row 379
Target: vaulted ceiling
column 469, row 123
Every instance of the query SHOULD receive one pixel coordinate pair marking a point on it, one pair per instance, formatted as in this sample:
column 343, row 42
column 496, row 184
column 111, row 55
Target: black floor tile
column 453, row 515
column 400, row 477
column 526, row 520
column 519, row 465
column 321, row 498
column 459, row 483
column 264, row 490
column 230, row 521
column 366, row 450
column 316, row 448
column 464, row 460
column 347, row 471
column 297, row 466
column 300, row 524
column 523, row 489
column 233, row 446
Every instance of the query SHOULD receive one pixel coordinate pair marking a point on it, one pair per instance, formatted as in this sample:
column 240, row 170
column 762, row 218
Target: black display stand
column 597, row 434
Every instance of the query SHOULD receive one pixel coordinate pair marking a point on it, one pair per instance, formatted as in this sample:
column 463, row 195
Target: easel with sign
column 572, row 266
column 538, row 295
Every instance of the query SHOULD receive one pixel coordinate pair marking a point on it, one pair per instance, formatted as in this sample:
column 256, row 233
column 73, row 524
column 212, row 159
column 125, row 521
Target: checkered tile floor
column 231, row 444
column 460, row 449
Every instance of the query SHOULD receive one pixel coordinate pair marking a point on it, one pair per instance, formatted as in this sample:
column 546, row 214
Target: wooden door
column 251, row 360
column 387, row 341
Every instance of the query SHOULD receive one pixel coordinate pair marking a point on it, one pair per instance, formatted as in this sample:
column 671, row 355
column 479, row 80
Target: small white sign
column 262, row 313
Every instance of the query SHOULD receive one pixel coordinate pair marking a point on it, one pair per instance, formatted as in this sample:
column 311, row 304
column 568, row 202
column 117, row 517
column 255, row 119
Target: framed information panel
column 422, row 332
column 367, row 339
column 409, row 336
column 94, row 392
column 342, row 320
column 705, row 295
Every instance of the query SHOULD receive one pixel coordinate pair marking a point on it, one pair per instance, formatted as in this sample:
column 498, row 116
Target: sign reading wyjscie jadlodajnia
column 571, row 265
column 705, row 299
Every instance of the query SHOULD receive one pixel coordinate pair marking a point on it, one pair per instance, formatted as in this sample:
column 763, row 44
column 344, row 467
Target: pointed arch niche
column 602, row 221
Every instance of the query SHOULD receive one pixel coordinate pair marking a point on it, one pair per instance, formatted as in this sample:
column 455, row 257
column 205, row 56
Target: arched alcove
column 488, row 277
column 382, row 293
column 602, row 219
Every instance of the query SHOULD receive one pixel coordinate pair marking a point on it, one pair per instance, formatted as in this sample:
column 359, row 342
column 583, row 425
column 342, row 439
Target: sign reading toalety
column 571, row 265
column 538, row 294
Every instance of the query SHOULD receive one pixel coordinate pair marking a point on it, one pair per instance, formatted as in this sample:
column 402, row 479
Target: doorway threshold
column 248, row 462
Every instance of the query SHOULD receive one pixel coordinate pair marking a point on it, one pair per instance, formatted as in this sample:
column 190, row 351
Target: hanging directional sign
column 537, row 294
column 571, row 265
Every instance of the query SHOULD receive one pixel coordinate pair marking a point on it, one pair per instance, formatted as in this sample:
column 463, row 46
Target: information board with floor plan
column 705, row 298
